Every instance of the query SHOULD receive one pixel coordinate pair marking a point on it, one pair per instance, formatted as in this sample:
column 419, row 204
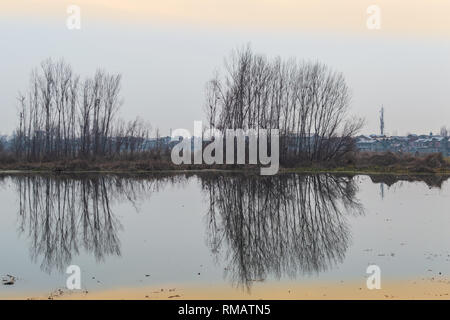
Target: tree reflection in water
column 63, row 214
column 279, row 225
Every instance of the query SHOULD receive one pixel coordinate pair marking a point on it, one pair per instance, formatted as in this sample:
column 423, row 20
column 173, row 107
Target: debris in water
column 8, row 280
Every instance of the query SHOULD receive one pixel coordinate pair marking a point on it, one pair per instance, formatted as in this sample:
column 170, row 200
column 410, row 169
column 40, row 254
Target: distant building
column 412, row 143
column 369, row 143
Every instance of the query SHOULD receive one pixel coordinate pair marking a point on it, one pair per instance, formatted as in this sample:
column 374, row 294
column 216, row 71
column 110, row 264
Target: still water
column 129, row 231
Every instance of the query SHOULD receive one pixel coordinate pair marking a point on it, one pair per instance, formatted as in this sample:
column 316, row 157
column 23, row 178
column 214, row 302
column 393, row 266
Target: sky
column 166, row 51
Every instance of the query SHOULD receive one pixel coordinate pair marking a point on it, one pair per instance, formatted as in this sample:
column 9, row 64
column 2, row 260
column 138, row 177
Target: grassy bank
column 375, row 170
column 358, row 163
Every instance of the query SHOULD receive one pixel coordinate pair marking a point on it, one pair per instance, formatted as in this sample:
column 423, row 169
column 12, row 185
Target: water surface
column 219, row 229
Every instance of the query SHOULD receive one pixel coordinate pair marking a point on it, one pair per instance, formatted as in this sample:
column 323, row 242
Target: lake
column 216, row 230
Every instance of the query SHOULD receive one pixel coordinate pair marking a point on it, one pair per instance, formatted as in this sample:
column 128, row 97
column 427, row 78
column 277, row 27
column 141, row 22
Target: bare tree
column 62, row 117
column 308, row 103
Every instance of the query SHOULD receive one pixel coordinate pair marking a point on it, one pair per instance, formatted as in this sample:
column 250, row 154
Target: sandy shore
column 411, row 289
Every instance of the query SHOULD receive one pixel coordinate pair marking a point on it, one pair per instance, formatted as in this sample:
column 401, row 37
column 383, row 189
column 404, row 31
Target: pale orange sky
column 159, row 45
column 399, row 17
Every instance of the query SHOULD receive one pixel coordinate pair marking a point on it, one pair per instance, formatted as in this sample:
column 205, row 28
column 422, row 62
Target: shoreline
column 369, row 164
column 305, row 170
column 432, row 288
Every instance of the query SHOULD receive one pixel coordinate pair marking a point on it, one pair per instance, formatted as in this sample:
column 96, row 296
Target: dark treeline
column 279, row 226
column 64, row 117
column 307, row 102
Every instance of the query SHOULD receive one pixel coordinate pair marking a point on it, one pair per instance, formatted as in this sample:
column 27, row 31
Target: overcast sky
column 167, row 50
